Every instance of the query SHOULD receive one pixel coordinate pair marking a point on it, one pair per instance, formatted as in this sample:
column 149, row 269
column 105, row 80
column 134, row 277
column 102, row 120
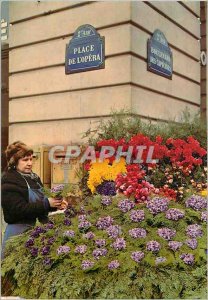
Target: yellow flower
column 100, row 171
column 204, row 193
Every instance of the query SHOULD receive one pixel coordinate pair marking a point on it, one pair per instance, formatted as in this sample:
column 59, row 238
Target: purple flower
column 63, row 249
column 114, row 264
column 137, row 233
column 192, row 243
column 153, row 246
column 196, row 202
column 97, row 253
column 89, row 235
column 104, row 222
column 34, row 251
column 100, row 243
column 81, row 249
column 106, row 200
column 37, row 231
column 67, row 222
column 160, row 260
column 47, row 261
column 113, row 231
column 174, row 214
column 204, row 216
column 157, row 205
column 119, row 244
column 69, row 212
column 194, row 231
column 45, row 250
column 82, row 218
column 137, row 215
column 84, row 225
column 49, row 226
column 51, row 240
column 187, row 258
column 137, row 256
column 57, row 189
column 69, row 234
column 125, row 205
column 29, row 243
column 174, row 245
column 106, row 188
column 87, row 264
column 166, row 233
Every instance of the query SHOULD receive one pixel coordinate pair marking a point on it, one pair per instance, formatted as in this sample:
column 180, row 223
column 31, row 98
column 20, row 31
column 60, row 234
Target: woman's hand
column 64, row 204
column 55, row 202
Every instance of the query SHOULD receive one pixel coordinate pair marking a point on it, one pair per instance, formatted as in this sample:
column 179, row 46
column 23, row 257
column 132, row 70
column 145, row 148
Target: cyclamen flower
column 81, row 249
column 166, row 233
column 137, row 233
column 196, row 202
column 89, row 235
column 104, row 222
column 187, row 258
column 194, row 231
column 157, row 205
column 29, row 242
column 137, row 256
column 100, row 243
column 114, row 264
column 34, row 251
column 63, row 250
column 82, row 218
column 97, row 253
column 113, row 231
column 84, row 225
column 106, row 200
column 192, row 243
column 174, row 214
column 174, row 245
column 119, row 244
column 125, row 205
column 160, row 260
column 67, row 222
column 69, row 233
column 153, row 246
column 204, row 216
column 87, row 264
column 45, row 250
column 137, row 215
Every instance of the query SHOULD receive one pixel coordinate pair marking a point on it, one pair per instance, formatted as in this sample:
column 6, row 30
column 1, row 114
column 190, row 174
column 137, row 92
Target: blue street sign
column 159, row 55
column 85, row 51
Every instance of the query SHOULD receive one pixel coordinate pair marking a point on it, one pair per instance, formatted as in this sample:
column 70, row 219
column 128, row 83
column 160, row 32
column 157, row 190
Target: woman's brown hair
column 15, row 151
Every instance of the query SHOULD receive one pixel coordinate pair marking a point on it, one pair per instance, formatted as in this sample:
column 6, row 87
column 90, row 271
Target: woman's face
column 25, row 164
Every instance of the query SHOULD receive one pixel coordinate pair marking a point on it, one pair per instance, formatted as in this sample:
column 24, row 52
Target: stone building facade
column 48, row 107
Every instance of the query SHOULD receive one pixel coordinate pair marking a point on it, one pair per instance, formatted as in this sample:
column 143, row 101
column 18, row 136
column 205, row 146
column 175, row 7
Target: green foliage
column 124, row 124
column 65, row 279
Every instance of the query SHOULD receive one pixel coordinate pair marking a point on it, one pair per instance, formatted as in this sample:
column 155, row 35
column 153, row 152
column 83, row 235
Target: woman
column 22, row 198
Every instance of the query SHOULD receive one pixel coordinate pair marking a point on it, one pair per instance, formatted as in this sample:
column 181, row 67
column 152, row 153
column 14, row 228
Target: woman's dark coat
column 15, row 199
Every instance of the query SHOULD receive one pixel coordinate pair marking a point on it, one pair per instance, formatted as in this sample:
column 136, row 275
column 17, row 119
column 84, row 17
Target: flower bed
column 113, row 248
column 141, row 234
